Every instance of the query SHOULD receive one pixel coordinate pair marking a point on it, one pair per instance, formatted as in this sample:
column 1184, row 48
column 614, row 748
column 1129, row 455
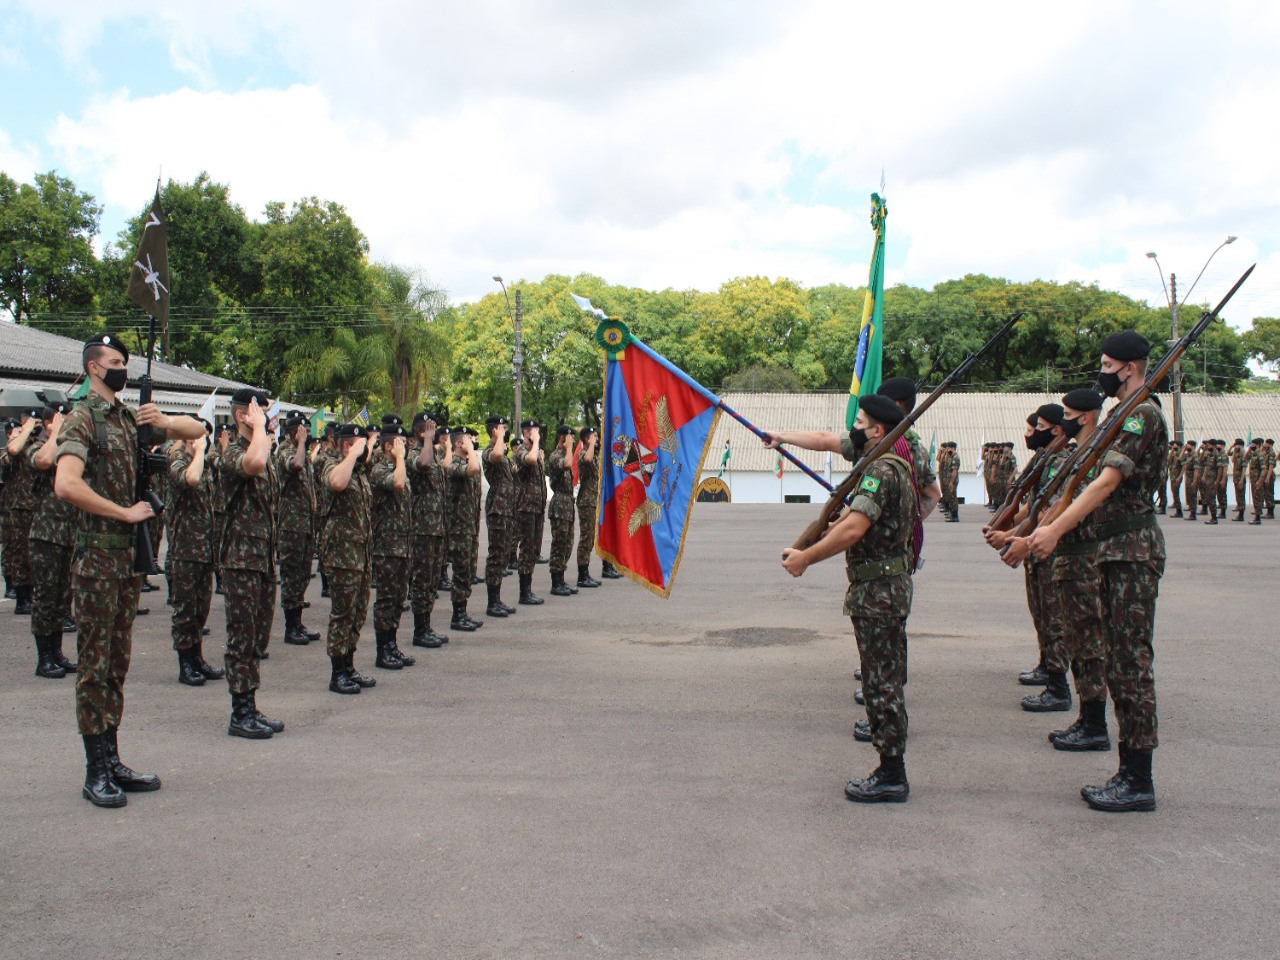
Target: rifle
column 831, row 509
column 1086, row 457
column 144, row 559
column 1026, row 483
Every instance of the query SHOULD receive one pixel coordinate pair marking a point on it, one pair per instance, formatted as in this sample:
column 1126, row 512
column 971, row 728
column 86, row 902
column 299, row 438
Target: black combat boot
column 69, row 625
column 496, row 607
column 355, row 676
column 584, row 576
column 1087, row 733
column 293, row 632
column 217, row 583
column 423, row 635
column 209, row 671
column 609, row 572
column 463, row 622
column 1271, row 515
column 527, row 595
column 385, row 660
column 324, row 585
column 859, row 697
column 1160, row 511
column 1177, row 513
column 99, row 788
column 46, row 666
column 862, row 731
column 1034, row 678
column 1191, row 513
column 55, row 651
column 1055, row 696
column 275, row 726
column 126, row 779
column 1133, row 790
column 394, row 650
column 188, row 672
column 1089, row 789
column 887, row 783
column 1239, row 517
column 244, row 719
column 340, row 679
column 1213, row 517
column 23, row 606
column 9, row 592
column 559, row 588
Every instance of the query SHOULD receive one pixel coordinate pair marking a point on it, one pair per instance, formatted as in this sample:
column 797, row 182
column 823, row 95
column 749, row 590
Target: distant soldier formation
column 391, row 514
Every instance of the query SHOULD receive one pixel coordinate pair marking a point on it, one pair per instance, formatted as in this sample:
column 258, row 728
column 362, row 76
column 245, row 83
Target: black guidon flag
column 149, row 276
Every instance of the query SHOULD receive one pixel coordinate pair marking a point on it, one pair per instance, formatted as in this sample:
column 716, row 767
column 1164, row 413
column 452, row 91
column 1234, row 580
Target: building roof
column 967, row 418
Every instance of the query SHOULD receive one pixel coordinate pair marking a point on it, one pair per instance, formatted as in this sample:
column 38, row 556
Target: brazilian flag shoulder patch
column 1133, row 425
column 870, row 484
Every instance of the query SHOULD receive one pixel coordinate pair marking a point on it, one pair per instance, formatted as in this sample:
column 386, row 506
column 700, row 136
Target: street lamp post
column 1171, row 294
column 517, row 354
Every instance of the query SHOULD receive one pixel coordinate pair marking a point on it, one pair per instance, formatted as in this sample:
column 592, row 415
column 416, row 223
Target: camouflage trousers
column 1259, row 498
column 191, row 592
column 392, row 574
column 586, row 529
column 1129, row 590
column 1208, row 497
column 882, row 648
column 1239, row 485
column 104, row 642
column 1175, row 483
column 529, row 531
column 463, row 548
column 296, row 550
column 1269, row 495
column 250, row 606
column 219, row 531
column 502, row 532
column 1046, row 617
column 1162, row 496
column 949, row 500
column 1190, row 491
column 6, row 555
column 1075, row 580
column 51, row 586
column 20, row 546
column 349, row 595
column 561, row 536
column 424, row 572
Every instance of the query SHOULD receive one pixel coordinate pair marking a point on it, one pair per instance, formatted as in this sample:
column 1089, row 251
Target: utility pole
column 1175, row 376
column 517, row 360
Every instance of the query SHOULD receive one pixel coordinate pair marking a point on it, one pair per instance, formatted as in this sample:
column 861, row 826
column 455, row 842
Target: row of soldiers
column 998, row 467
column 1201, row 472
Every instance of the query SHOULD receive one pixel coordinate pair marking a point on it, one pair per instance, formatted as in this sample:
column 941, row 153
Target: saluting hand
column 255, row 416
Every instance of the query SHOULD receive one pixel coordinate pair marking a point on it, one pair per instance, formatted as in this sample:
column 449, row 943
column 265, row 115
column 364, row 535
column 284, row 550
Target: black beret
column 1051, row 412
column 881, row 409
column 1191, row 443
column 496, row 422
column 469, row 431
column 900, row 389
column 55, row 408
column 422, row 416
column 564, row 431
column 1083, row 398
column 1125, row 346
column 1240, row 441
column 1032, row 418
column 35, row 413
column 246, row 395
column 350, row 431
column 107, row 340
column 330, row 429
column 390, row 431
column 1270, row 441
column 528, row 424
column 585, row 432
column 295, row 418
column 391, row 420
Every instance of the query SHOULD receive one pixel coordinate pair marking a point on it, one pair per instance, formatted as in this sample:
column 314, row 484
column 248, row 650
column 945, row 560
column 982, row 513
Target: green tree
column 407, row 335
column 1262, row 342
column 336, row 368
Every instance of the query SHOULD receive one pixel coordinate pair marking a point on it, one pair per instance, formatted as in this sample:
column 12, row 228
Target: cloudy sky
column 681, row 143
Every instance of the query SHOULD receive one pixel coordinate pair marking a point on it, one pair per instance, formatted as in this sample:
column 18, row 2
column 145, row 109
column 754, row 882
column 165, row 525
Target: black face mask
column 115, row 378
column 1071, row 427
column 858, row 437
column 1110, row 383
column 1039, row 439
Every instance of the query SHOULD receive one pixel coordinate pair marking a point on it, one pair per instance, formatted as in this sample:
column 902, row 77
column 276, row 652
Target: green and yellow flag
column 867, row 363
column 317, row 422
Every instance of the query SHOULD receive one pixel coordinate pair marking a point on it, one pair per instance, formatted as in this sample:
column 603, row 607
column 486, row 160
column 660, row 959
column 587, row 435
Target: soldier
column 499, row 513
column 97, row 465
column 345, row 553
column 531, row 504
column 391, row 513
column 588, row 500
column 251, row 488
column 7, row 467
column 326, row 455
column 1269, row 476
column 560, row 512
column 463, row 472
column 1207, row 475
column 222, row 435
column 428, row 488
column 53, row 531
column 1131, row 557
column 1191, row 477
column 1224, row 468
column 1253, row 469
column 296, row 519
column 22, row 503
column 873, row 534
column 1175, row 476
column 191, row 555
column 949, row 479
column 1238, row 474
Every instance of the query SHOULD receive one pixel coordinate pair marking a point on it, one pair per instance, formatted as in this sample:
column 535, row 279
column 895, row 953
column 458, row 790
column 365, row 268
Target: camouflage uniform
column 427, row 485
column 1191, row 479
column 1175, row 478
column 1269, row 478
column 1238, row 474
column 1131, row 557
column 22, row 505
column 463, row 507
column 1207, row 479
column 52, row 540
column 531, row 508
column 560, row 512
column 949, row 479
column 1253, row 462
column 296, row 520
column 219, row 500
column 878, row 599
column 189, row 517
column 7, row 552
column 391, row 514
column 104, row 586
column 588, row 504
column 499, row 515
column 345, row 551
column 248, row 564
column 1075, row 578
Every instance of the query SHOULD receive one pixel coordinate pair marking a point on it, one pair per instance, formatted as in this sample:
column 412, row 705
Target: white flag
column 206, row 410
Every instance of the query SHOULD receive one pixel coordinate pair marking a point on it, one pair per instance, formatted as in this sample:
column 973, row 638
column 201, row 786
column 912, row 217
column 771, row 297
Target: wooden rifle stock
column 1026, row 483
column 836, row 502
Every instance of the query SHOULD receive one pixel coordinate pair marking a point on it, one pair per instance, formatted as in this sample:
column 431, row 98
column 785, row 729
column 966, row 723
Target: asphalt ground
column 615, row 775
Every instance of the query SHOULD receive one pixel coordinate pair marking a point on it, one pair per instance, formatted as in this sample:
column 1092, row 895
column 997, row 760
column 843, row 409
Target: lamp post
column 1171, row 295
column 517, row 354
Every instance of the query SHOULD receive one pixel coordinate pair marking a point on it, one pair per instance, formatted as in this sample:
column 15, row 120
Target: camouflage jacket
column 297, row 498
column 22, row 484
column 391, row 511
column 464, row 499
column 318, row 485
column 249, row 542
column 588, row 478
column 429, row 489
column 189, row 516
column 532, row 482
column 348, row 531
column 561, row 474
column 104, row 548
column 54, row 520
column 1138, row 453
column 501, row 477
column 886, row 496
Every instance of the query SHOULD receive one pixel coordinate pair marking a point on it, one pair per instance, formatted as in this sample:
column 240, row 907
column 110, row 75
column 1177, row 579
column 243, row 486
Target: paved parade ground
column 614, row 775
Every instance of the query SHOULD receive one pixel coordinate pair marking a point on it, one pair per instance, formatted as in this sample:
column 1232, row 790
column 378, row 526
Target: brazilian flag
column 866, row 365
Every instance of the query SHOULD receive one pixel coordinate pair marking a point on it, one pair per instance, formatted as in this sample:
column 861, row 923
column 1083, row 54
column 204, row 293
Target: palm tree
column 409, row 347
column 335, row 363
